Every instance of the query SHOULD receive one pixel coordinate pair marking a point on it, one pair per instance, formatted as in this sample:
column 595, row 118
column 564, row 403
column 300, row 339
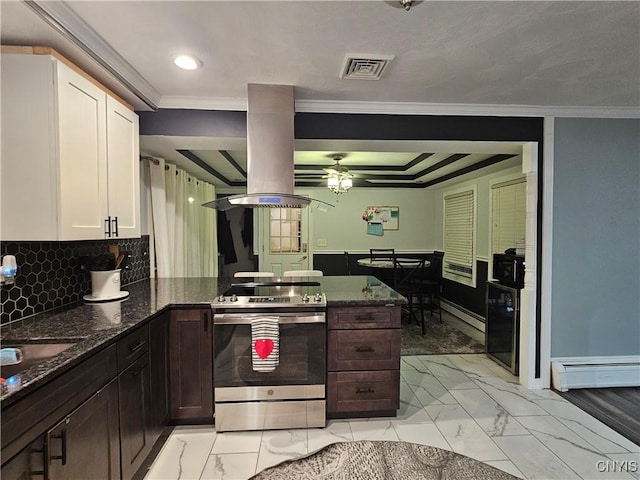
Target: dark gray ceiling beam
column 233, row 162
column 209, row 169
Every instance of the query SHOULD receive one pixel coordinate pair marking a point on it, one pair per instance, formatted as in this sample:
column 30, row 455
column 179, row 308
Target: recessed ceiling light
column 187, row 62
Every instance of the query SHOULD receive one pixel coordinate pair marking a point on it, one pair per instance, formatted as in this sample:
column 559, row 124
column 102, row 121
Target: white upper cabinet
column 70, row 154
column 123, row 174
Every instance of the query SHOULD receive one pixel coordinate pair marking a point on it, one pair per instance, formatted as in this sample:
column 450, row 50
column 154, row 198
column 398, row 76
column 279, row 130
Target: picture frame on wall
column 386, row 215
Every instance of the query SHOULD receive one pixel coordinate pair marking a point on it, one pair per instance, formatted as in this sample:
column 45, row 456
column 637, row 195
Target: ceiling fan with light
column 406, row 4
column 339, row 180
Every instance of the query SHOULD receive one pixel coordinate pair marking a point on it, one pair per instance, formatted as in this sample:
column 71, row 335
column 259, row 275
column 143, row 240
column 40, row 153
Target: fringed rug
column 375, row 460
column 439, row 339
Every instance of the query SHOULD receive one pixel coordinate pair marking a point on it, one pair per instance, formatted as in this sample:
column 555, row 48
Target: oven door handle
column 244, row 319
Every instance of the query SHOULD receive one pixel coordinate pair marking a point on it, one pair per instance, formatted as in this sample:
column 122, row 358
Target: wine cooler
column 502, row 328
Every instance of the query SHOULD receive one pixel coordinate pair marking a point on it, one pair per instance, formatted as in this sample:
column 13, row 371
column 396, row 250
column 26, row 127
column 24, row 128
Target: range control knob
column 305, row 298
column 220, row 298
column 234, row 298
column 317, row 298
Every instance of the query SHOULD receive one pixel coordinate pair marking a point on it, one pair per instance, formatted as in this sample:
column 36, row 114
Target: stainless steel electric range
column 269, row 356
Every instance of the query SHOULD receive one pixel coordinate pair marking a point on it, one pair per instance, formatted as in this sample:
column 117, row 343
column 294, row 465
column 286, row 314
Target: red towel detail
column 263, row 347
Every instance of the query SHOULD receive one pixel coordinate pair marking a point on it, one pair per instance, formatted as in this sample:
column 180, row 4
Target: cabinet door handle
column 137, row 372
column 364, row 390
column 63, row 437
column 365, row 349
column 115, row 226
column 364, row 317
column 107, row 226
column 137, row 346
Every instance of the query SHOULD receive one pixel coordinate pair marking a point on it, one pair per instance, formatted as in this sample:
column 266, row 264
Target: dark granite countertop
column 95, row 325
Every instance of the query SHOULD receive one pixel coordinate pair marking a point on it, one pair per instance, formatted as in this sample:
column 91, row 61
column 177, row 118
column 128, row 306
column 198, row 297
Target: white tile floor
column 464, row 403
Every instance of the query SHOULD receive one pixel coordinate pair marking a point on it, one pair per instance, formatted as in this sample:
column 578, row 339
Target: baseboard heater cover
column 595, row 372
column 463, row 314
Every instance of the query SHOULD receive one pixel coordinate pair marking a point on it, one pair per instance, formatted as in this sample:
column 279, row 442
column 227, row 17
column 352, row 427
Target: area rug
column 439, row 339
column 375, row 460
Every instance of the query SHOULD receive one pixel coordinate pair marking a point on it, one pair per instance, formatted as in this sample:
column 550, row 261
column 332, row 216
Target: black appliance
column 502, row 325
column 508, row 269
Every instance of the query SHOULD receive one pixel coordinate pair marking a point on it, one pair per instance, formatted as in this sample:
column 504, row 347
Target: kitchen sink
column 32, row 354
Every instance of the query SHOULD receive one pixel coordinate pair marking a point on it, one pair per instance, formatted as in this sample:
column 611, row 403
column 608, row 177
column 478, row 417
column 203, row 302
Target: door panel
column 284, row 239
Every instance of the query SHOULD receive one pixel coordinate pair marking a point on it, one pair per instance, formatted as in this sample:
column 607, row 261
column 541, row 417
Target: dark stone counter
column 96, row 325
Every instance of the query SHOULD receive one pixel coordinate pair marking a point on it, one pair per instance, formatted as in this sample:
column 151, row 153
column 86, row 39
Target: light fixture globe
column 339, row 180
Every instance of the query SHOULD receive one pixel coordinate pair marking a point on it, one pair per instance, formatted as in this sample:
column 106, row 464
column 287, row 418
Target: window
column 284, row 230
column 459, row 236
column 508, row 214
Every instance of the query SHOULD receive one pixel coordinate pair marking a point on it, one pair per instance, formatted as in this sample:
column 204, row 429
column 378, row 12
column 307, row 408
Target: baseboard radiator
column 595, row 372
column 462, row 313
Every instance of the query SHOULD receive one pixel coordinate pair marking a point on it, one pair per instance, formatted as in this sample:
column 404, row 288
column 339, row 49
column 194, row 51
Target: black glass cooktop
column 274, row 289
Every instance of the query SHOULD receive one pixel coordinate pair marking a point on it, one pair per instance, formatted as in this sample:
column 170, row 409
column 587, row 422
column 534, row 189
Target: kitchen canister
column 105, row 284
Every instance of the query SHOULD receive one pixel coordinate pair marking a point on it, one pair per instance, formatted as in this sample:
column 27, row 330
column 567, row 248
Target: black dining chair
column 410, row 272
column 430, row 286
column 387, row 275
column 347, row 262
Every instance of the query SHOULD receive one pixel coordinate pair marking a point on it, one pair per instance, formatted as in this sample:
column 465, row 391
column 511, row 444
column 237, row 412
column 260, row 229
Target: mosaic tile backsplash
column 50, row 274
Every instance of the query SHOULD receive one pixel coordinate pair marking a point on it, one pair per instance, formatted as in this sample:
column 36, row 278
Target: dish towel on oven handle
column 265, row 344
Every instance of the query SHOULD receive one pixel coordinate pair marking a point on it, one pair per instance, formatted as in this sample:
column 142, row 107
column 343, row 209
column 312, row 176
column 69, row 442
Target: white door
column 284, row 239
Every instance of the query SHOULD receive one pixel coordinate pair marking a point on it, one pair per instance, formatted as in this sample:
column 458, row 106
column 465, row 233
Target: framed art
column 389, row 217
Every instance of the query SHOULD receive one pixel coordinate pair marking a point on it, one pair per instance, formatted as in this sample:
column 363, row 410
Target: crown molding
column 69, row 24
column 203, row 103
column 399, row 108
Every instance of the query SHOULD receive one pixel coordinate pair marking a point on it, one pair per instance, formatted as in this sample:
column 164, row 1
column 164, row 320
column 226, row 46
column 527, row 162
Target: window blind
column 508, row 207
column 458, row 233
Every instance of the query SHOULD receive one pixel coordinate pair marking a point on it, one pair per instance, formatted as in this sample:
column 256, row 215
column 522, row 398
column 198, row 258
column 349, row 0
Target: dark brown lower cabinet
column 28, row 464
column 158, row 339
column 191, row 366
column 135, row 416
column 85, row 443
column 363, row 361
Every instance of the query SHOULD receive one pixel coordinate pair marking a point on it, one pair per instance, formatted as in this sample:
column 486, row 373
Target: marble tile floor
column 464, row 403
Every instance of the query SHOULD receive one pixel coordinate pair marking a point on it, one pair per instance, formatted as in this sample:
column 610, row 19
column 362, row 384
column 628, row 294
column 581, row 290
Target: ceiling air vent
column 364, row 67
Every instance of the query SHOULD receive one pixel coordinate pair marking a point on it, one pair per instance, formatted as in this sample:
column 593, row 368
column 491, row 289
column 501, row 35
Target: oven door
column 302, row 340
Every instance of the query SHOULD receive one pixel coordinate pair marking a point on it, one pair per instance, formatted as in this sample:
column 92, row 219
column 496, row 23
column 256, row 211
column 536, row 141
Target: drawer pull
column 364, row 390
column 364, row 317
column 137, row 346
column 365, row 349
column 137, row 372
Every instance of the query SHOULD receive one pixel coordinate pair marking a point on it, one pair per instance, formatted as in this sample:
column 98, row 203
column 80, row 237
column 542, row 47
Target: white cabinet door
column 82, row 156
column 28, row 161
column 70, row 155
column 123, row 170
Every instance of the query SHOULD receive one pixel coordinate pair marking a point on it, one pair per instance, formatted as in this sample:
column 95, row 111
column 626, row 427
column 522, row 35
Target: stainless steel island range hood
column 270, row 147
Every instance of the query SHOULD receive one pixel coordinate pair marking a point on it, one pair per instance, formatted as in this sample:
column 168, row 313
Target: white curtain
column 184, row 235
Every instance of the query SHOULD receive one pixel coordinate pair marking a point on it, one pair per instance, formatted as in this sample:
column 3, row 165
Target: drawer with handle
column 363, row 391
column 363, row 349
column 132, row 347
column 363, row 317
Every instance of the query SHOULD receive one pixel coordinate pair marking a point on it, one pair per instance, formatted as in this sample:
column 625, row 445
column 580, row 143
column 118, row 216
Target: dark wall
column 469, row 298
column 50, row 275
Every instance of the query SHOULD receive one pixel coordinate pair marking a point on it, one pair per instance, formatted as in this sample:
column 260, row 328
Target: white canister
column 105, row 284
